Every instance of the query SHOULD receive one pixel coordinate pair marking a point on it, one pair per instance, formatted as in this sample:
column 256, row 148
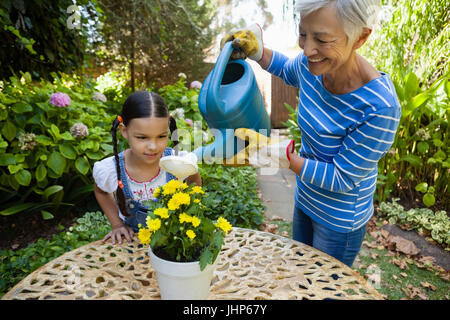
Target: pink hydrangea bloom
column 59, row 99
column 189, row 122
column 196, row 85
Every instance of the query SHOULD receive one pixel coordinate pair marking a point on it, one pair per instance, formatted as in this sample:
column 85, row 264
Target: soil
column 19, row 230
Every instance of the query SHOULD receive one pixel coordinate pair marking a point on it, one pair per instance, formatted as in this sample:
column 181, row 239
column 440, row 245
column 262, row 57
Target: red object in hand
column 290, row 149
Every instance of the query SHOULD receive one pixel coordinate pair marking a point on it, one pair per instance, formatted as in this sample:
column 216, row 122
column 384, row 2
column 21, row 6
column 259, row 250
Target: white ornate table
column 253, row 265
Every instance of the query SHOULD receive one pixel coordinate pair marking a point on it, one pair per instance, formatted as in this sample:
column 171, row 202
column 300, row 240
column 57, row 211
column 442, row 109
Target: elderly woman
column 348, row 115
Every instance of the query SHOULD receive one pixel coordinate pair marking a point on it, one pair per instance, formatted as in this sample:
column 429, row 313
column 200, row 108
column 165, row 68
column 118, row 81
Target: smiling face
column 324, row 41
column 147, row 138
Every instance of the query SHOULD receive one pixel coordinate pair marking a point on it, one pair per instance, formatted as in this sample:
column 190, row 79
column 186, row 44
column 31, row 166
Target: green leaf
column 23, row 177
column 412, row 159
column 205, row 258
column 419, row 100
column 82, row 165
column 68, row 151
column 22, row 107
column 44, row 140
column 13, row 169
column 67, row 136
column 57, row 163
column 46, row 215
column 17, row 208
column 3, row 114
column 52, row 190
column 428, row 199
column 94, row 155
column 423, row 147
column 441, row 155
column 411, row 84
column 9, row 130
column 438, row 143
column 55, row 131
column 7, row 159
column 27, row 77
column 422, row 187
column 41, row 172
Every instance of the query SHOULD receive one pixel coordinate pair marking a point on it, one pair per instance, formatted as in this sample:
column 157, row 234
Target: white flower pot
column 182, row 280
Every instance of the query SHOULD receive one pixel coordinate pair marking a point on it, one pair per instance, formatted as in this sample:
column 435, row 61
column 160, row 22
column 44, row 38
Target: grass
column 394, row 275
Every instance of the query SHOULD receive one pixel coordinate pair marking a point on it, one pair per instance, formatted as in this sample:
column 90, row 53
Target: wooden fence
column 281, row 94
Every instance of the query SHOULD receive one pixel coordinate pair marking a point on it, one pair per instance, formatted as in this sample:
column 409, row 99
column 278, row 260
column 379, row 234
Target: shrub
column 424, row 220
column 16, row 265
column 232, row 193
column 43, row 165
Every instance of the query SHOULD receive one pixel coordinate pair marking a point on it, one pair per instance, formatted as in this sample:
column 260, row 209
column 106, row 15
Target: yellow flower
column 197, row 189
column 223, row 224
column 197, row 200
column 173, row 204
column 144, row 236
column 156, row 192
column 185, row 218
column 153, row 224
column 183, row 186
column 171, row 187
column 162, row 212
column 195, row 221
column 179, row 199
column 190, row 234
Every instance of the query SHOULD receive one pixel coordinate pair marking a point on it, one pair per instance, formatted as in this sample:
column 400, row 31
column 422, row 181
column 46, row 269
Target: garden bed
column 19, row 230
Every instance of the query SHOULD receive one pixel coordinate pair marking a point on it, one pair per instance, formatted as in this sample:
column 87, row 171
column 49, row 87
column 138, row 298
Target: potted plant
column 183, row 242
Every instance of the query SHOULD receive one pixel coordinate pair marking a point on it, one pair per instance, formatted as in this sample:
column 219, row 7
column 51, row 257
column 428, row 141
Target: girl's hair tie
column 119, row 118
column 119, row 182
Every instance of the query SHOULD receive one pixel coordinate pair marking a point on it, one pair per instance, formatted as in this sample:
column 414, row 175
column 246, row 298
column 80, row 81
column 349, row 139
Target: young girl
column 126, row 179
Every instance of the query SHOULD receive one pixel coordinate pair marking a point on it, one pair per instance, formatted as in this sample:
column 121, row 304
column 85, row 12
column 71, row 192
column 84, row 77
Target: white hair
column 354, row 14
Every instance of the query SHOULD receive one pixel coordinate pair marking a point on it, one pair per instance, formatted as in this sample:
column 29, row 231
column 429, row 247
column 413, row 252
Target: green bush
column 424, row 220
column 16, row 265
column 412, row 46
column 232, row 193
column 44, row 166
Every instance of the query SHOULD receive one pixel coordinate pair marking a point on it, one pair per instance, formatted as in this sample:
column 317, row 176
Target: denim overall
column 136, row 210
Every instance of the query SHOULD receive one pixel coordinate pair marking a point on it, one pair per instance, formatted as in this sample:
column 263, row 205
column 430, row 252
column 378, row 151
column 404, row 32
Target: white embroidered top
column 105, row 176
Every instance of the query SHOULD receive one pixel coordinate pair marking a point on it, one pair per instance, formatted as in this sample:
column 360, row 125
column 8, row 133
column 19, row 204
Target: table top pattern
column 252, row 265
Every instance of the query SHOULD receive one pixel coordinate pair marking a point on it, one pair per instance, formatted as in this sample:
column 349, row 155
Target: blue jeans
column 342, row 246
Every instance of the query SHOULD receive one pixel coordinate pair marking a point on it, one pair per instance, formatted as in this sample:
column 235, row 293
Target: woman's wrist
column 266, row 58
column 296, row 163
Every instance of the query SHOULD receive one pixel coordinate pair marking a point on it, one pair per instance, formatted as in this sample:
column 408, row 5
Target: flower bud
column 79, row 130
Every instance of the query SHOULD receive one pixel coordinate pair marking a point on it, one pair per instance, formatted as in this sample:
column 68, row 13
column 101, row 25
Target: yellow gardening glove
column 249, row 40
column 263, row 151
column 254, row 140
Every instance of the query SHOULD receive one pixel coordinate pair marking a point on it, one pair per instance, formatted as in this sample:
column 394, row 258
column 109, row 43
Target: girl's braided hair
column 141, row 104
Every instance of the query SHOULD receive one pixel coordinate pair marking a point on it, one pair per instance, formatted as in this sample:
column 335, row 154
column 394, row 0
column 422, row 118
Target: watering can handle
column 213, row 93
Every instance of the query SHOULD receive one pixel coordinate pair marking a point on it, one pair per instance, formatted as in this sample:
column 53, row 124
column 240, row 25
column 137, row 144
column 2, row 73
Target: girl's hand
column 117, row 232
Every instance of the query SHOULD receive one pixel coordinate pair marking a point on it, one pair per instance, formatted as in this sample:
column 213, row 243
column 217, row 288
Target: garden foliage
column 424, row 220
column 47, row 151
column 36, row 37
column 15, row 265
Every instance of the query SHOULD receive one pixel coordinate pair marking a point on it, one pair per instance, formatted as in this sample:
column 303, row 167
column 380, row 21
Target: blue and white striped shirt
column 343, row 138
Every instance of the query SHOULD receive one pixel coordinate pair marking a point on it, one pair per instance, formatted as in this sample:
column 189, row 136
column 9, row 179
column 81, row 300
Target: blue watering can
column 230, row 99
